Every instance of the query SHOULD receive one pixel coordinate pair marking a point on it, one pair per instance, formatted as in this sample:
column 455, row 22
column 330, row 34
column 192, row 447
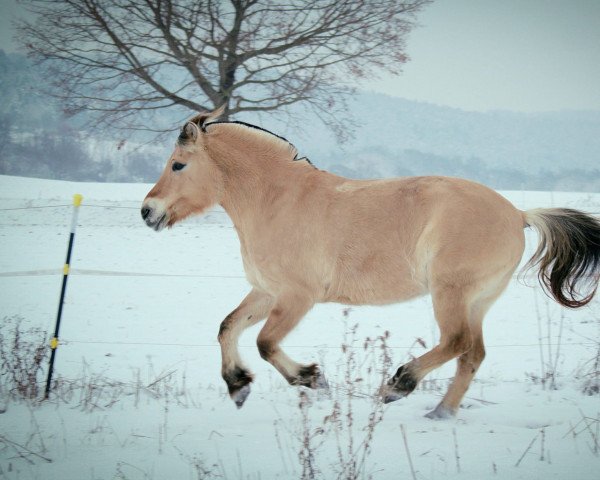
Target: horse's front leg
column 254, row 308
column 287, row 312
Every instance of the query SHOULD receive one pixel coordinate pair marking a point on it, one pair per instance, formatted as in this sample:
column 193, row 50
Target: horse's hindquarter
column 402, row 237
column 478, row 237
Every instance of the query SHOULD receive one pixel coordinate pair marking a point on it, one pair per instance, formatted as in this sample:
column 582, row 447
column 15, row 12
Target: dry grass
column 23, row 358
column 365, row 365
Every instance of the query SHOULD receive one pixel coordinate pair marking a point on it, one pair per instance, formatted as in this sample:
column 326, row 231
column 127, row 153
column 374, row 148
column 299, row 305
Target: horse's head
column 191, row 181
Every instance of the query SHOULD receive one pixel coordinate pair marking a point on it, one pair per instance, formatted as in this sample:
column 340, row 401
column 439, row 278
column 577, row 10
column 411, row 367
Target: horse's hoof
column 440, row 412
column 392, row 397
column 238, row 383
column 388, row 394
column 240, row 396
column 321, row 383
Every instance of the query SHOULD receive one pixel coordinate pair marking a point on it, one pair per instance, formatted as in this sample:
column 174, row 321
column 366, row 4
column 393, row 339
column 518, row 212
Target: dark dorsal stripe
column 252, row 126
column 249, row 125
column 302, row 159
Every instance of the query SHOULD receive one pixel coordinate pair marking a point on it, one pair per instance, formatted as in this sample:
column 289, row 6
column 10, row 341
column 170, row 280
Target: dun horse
column 308, row 236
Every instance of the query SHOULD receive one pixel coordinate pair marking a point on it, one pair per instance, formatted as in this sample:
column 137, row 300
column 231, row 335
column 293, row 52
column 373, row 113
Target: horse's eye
column 177, row 166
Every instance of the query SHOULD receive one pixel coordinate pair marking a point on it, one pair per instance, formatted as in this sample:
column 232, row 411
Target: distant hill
column 394, row 136
column 389, row 136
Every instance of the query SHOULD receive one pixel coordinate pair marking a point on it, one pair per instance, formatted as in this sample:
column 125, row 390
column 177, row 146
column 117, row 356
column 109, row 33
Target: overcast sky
column 524, row 55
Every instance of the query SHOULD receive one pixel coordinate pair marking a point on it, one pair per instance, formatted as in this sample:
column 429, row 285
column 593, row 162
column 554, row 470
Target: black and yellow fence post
column 77, row 198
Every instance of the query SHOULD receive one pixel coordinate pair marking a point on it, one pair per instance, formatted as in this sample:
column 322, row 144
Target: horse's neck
column 249, row 183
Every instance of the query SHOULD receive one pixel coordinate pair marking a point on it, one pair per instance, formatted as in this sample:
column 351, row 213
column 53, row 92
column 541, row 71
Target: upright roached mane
column 308, row 236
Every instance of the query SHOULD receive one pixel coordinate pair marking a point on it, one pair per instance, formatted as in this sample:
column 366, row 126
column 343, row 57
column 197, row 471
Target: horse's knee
column 460, row 342
column 222, row 329
column 225, row 326
column 266, row 348
column 478, row 353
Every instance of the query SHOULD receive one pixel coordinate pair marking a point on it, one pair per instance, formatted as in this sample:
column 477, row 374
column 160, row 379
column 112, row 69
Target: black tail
column 568, row 256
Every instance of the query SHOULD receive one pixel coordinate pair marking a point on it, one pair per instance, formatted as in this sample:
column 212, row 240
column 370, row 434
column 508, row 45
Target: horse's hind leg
column 468, row 363
column 451, row 306
column 285, row 315
column 254, row 308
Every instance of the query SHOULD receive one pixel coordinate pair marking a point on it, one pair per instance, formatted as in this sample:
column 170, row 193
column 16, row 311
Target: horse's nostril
column 145, row 212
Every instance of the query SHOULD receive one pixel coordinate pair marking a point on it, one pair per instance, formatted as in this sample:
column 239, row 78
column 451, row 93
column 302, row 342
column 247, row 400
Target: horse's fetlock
column 308, row 370
column 237, row 378
column 404, row 380
column 309, row 376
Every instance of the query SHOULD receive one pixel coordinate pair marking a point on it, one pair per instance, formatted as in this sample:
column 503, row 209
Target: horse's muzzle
column 154, row 219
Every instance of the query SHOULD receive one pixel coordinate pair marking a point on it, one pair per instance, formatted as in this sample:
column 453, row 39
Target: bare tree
column 120, row 58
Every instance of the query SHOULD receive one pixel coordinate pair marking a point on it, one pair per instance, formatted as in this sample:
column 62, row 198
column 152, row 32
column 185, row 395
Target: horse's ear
column 202, row 119
column 189, row 133
column 191, row 130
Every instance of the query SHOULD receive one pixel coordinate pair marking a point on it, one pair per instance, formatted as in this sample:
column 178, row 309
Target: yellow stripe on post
column 66, row 269
column 54, row 343
column 77, row 199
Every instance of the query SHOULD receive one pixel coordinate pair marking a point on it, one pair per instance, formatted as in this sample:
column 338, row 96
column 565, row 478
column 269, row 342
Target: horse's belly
column 375, row 289
column 374, row 278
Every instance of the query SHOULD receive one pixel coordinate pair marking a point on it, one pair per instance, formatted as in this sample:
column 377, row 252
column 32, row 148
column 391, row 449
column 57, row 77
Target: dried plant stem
column 456, row 455
column 540, row 339
column 526, row 450
column 593, row 435
column 557, row 353
column 21, row 448
column 410, row 463
column 597, row 432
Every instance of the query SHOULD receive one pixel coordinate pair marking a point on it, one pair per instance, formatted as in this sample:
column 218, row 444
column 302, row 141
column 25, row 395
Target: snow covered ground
column 140, row 394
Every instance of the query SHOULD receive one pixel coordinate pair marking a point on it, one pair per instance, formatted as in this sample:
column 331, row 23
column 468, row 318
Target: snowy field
column 139, row 390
